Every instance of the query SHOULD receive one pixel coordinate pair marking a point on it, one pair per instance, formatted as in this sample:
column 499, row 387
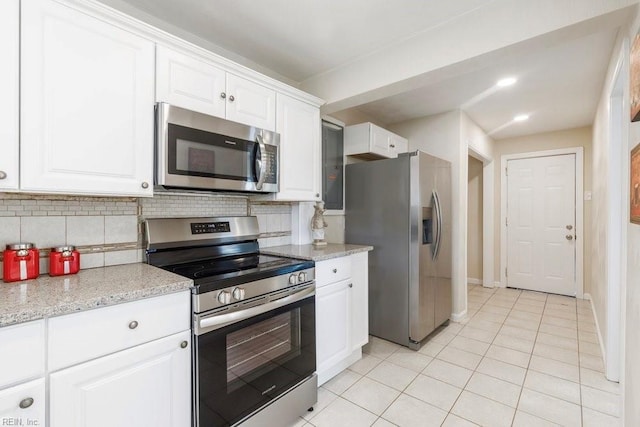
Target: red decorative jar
column 21, row 261
column 64, row 260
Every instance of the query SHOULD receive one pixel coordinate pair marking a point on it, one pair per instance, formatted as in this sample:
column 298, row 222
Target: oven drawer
column 78, row 337
column 333, row 270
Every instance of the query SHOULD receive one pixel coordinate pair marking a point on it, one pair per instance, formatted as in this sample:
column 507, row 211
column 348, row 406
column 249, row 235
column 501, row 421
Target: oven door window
column 195, row 152
column 245, row 365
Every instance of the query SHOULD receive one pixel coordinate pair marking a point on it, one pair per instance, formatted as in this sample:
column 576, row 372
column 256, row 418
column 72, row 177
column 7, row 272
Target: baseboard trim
column 457, row 317
column 587, row 296
column 473, row 281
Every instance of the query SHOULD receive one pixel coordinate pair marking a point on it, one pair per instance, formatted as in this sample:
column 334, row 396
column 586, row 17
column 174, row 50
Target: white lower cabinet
column 144, row 386
column 23, row 405
column 342, row 314
column 333, row 311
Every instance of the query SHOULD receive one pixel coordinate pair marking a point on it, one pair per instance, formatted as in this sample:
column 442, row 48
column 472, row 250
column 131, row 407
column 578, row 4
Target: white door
column 541, row 220
column 144, row 386
column 86, row 104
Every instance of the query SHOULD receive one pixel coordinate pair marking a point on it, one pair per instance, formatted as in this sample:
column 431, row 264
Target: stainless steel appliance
column 402, row 207
column 198, row 151
column 254, row 353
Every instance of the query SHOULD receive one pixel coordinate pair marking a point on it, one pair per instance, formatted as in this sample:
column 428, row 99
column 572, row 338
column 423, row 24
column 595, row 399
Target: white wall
column 440, row 136
column 602, row 154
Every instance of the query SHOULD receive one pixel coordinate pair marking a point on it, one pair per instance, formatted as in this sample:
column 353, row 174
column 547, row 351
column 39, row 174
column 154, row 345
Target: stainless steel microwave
column 198, row 151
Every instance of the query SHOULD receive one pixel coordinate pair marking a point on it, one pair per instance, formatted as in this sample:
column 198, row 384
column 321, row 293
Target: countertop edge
column 63, row 307
column 313, row 253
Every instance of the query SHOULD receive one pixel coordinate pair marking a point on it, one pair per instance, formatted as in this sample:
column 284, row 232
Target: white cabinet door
column 333, row 319
column 9, row 85
column 298, row 124
column 360, row 298
column 397, row 145
column 86, row 104
column 145, row 386
column 23, row 405
column 379, row 141
column 250, row 103
column 190, row 83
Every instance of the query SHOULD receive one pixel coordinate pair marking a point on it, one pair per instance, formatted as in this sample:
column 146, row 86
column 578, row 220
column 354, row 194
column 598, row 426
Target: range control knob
column 302, row 277
column 293, row 279
column 238, row 293
column 224, row 297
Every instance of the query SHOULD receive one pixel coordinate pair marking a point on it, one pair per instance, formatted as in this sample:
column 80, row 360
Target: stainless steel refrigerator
column 402, row 207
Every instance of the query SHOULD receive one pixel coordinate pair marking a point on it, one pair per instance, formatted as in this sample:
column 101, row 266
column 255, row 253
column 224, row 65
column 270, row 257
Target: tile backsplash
column 107, row 230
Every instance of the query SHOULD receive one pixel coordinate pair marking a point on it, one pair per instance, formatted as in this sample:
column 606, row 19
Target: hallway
column 521, row 358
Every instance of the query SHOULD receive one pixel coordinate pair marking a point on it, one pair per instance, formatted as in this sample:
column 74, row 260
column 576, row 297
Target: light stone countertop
column 49, row 296
column 313, row 253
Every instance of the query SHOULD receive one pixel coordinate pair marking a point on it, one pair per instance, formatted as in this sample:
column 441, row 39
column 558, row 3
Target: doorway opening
column 474, row 222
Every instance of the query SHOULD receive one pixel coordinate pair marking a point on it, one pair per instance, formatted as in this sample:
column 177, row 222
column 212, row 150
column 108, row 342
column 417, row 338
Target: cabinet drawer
column 79, row 337
column 24, row 357
column 333, row 270
column 23, row 404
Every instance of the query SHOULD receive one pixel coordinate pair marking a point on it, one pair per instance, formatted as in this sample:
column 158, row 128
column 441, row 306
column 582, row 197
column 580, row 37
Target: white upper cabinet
column 86, row 104
column 198, row 85
column 250, row 103
column 371, row 141
column 9, row 88
column 189, row 83
column 298, row 124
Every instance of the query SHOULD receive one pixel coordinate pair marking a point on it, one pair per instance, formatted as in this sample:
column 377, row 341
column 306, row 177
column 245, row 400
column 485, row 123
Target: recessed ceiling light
column 521, row 118
column 506, row 82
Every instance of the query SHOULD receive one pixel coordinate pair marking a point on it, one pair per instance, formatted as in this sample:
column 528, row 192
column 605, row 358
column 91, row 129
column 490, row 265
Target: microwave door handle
column 261, row 162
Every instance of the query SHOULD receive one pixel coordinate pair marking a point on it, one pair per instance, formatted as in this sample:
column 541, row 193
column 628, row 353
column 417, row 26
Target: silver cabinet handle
column 25, row 403
column 317, row 194
column 569, row 227
column 232, row 98
column 393, row 146
column 223, row 95
column 569, row 237
column 133, row 324
column 184, row 344
column 335, row 270
column 3, row 174
column 145, row 185
column 351, row 285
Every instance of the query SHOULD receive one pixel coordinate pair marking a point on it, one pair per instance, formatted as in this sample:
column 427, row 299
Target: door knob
column 569, row 237
column 569, row 227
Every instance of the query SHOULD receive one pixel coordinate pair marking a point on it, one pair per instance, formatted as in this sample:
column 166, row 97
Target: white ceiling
column 558, row 84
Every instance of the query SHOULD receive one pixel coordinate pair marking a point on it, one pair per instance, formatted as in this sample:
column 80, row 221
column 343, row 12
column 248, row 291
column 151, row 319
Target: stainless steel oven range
column 253, row 321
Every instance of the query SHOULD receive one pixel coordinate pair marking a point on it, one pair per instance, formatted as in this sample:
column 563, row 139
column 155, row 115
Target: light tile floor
column 521, row 358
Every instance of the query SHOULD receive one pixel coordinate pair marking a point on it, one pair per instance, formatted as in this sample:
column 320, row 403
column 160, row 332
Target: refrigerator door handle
column 436, row 202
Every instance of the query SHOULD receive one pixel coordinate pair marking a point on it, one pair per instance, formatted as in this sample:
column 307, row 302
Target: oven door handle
column 217, row 321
